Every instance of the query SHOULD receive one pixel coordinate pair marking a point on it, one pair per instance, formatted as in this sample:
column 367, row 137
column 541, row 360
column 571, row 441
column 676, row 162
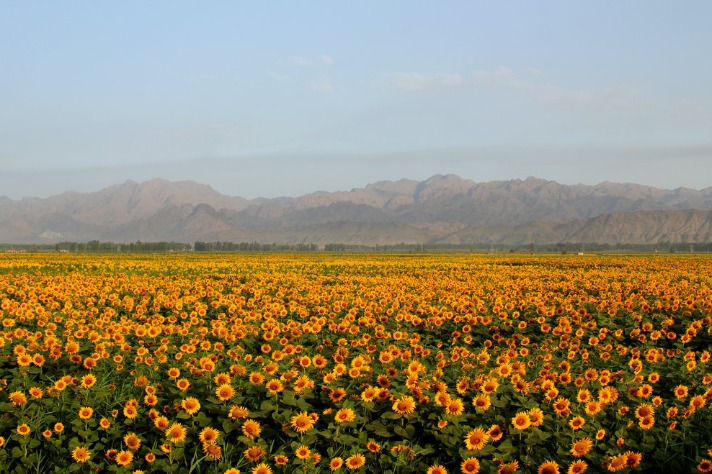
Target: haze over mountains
column 441, row 209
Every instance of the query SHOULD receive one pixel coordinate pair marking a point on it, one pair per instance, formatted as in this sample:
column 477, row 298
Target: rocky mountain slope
column 446, row 209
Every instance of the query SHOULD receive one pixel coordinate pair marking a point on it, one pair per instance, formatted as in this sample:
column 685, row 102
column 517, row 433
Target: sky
column 283, row 98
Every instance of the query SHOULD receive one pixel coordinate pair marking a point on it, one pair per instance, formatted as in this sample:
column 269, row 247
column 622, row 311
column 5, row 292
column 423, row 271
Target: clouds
column 526, row 83
column 420, row 82
column 322, row 59
column 505, row 79
column 308, row 70
column 299, row 60
column 321, row 85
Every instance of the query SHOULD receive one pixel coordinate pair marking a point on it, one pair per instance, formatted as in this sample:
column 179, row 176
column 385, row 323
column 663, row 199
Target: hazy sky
column 281, row 98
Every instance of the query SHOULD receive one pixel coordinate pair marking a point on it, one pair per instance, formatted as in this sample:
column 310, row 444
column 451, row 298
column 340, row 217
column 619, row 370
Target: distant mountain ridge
column 441, row 209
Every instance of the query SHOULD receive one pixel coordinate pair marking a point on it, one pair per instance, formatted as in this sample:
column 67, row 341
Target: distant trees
column 252, row 247
column 94, row 246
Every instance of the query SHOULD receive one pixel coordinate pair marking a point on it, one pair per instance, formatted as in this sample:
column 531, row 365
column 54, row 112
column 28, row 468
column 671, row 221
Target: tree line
column 95, row 246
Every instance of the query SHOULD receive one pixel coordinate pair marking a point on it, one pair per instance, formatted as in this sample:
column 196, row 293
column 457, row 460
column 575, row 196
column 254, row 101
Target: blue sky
column 284, row 98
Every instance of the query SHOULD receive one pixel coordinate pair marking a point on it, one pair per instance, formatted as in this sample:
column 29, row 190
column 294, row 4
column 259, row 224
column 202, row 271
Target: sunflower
column 583, row 395
column 455, row 407
column 337, row 395
column 404, row 405
column 85, row 413
column 224, row 392
column 644, row 410
column 150, row 400
column 208, row 435
column 35, row 392
column 191, row 405
column 482, row 402
column 274, row 387
column 437, row 469
column 88, row 381
column 301, row 422
column 18, row 398
column 561, row 406
column 508, row 468
column 251, row 428
column 577, row 422
column 705, row 466
column 237, row 412
column 476, row 439
column 281, row 460
column 373, row 446
column 548, row 467
column 130, row 412
column 256, row 378
column 369, row 393
column 495, row 432
column 355, row 461
column 336, row 463
column 646, row 422
column 161, row 423
column 213, row 452
column 607, row 395
column 442, row 398
column 183, row 385
column 536, row 416
column 261, row 468
column 521, row 421
column 176, row 433
column 645, row 390
column 302, row 452
column 222, row 378
column 132, row 441
column 345, row 415
column 470, row 466
column 581, row 447
column 698, row 401
column 633, row 459
column 490, row 385
column 577, row 467
column 617, row 463
column 58, row 427
column 124, row 458
column 254, row 453
column 81, row 454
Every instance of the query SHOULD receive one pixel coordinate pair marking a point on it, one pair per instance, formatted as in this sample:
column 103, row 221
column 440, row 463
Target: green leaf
column 379, row 429
column 391, row 415
column 228, row 426
column 202, row 419
column 288, row 398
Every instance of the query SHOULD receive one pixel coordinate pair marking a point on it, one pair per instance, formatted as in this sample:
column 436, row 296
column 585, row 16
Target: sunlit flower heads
column 301, row 422
column 404, row 405
column 191, row 405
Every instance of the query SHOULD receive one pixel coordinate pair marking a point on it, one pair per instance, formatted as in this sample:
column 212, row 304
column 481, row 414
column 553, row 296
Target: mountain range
column 442, row 209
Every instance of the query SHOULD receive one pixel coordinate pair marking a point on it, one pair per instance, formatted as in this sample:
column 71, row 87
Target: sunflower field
column 431, row 364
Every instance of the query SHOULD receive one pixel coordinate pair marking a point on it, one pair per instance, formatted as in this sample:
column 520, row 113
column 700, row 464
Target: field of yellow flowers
column 359, row 363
